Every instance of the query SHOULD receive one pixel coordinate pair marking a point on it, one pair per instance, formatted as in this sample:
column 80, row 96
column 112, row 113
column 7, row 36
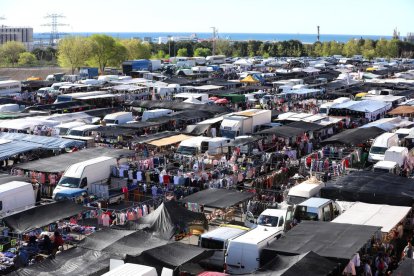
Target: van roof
column 117, row 114
column 305, row 189
column 223, row 233
column 397, row 149
column 256, row 235
column 194, row 142
column 75, row 170
column 85, row 127
column 315, row 202
column 13, row 185
column 385, row 164
column 383, row 138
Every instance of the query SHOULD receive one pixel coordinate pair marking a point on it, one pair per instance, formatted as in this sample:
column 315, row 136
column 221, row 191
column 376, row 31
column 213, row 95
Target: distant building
column 410, row 37
column 20, row 34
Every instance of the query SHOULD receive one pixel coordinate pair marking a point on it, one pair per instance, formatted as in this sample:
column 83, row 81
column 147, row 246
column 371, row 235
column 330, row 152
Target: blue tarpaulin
column 43, row 142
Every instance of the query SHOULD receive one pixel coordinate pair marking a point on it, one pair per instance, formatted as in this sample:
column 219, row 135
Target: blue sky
column 366, row 17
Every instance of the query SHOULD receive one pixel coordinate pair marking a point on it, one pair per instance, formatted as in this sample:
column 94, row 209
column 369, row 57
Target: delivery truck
column 93, row 176
column 244, row 122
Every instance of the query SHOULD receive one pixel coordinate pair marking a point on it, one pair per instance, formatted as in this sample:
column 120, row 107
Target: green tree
column 73, row 51
column 159, row 55
column 136, row 49
column 335, row 48
column 119, row 54
column 103, row 50
column 317, row 49
column 368, row 49
column 27, row 59
column 381, row 48
column 223, row 47
column 393, row 48
column 202, row 52
column 182, row 52
column 351, row 48
column 10, row 52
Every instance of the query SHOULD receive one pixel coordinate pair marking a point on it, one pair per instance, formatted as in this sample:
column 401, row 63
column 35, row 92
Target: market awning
column 309, row 264
column 169, row 140
column 306, row 126
column 249, row 79
column 282, row 131
column 41, row 216
column 154, row 136
column 166, row 219
column 43, row 142
column 336, row 241
column 60, row 163
column 218, row 198
column 353, row 136
column 72, row 262
column 402, row 110
column 386, row 216
column 372, row 187
column 171, row 255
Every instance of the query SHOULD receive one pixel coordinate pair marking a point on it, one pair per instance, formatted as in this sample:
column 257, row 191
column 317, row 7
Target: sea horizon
column 304, row 38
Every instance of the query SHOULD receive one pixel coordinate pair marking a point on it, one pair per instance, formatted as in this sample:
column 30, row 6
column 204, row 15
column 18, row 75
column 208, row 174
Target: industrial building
column 20, row 34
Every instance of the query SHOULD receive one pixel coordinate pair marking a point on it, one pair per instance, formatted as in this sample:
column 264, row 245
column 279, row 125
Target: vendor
column 57, row 242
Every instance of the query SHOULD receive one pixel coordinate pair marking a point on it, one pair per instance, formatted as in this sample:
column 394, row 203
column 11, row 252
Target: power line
column 54, row 34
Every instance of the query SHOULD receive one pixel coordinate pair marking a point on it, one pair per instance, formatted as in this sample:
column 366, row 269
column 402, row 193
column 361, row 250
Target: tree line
column 102, row 50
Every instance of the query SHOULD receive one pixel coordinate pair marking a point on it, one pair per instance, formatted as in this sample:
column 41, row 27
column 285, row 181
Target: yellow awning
column 370, row 69
column 249, row 79
column 360, row 95
column 170, row 140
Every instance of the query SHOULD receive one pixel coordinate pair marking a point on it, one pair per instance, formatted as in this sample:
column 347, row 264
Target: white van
column 301, row 192
column 63, row 129
column 192, row 146
column 81, row 175
column 156, row 113
column 82, row 131
column 243, row 253
column 380, row 145
column 16, row 196
column 118, row 118
column 217, row 145
column 218, row 240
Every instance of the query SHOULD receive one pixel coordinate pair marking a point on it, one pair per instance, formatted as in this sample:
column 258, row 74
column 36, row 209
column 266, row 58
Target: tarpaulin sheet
column 75, row 261
column 41, row 216
column 134, row 244
column 353, row 136
column 43, row 142
column 180, row 106
column 171, row 256
column 371, row 187
column 309, row 264
column 15, row 147
column 406, row 267
column 152, row 137
column 104, row 238
column 165, row 220
column 60, row 163
column 331, row 240
column 218, row 198
column 282, row 131
column 306, row 126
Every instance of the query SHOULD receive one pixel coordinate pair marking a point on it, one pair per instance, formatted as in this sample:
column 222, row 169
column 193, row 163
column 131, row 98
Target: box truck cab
column 316, row 209
column 81, row 175
column 243, row 253
column 16, row 196
column 118, row 118
column 278, row 219
column 380, row 145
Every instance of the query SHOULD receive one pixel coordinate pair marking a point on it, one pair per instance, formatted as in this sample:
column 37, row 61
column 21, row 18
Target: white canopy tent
column 386, row 216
